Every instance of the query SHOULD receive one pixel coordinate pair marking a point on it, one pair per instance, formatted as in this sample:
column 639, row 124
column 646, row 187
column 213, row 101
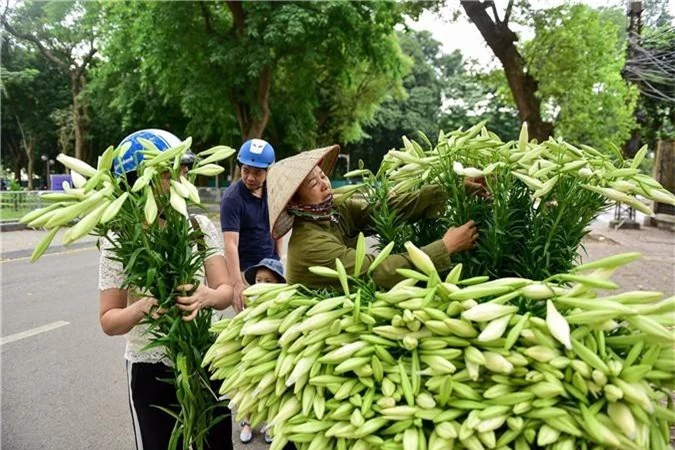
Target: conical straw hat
column 285, row 177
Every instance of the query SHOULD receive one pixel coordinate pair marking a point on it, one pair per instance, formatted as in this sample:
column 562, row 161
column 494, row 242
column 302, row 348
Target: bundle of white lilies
column 442, row 364
column 538, row 201
column 99, row 195
column 157, row 255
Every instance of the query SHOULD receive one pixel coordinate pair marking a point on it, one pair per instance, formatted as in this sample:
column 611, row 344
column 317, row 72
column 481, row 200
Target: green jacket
column 319, row 243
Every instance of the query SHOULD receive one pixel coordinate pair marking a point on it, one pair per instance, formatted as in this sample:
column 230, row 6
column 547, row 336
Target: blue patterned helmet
column 132, row 157
column 256, row 153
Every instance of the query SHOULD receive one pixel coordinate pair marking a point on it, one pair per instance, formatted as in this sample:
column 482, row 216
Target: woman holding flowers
column 325, row 229
column 126, row 310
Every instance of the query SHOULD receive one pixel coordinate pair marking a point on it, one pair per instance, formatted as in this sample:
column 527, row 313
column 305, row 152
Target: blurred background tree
column 82, row 75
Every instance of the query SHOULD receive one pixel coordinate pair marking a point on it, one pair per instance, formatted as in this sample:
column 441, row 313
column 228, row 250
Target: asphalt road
column 65, row 386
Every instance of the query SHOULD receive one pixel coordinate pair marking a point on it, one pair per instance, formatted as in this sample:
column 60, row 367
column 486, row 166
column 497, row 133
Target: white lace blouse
column 111, row 276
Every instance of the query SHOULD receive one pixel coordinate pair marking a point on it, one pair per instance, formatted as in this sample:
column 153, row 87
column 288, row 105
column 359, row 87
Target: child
column 266, row 271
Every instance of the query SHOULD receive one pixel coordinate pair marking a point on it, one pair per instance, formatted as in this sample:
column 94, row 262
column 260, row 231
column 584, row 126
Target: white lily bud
column 495, row 329
column 497, row 363
column 76, row 165
column 663, row 196
column 177, row 202
column 180, row 189
column 585, row 172
column 106, row 159
column 486, row 312
column 623, row 418
column 557, row 325
column 209, row 170
column 150, row 208
column 78, row 180
column 420, row 259
column 192, row 190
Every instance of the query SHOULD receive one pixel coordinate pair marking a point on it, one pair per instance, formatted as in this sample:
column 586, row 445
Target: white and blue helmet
column 256, row 153
column 133, row 156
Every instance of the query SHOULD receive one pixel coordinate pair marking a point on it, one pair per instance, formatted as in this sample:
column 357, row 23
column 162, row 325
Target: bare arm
column 218, row 278
column 115, row 316
column 277, row 247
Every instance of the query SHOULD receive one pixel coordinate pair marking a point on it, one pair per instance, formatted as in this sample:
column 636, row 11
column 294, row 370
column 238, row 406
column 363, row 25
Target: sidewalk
column 20, row 244
column 655, row 271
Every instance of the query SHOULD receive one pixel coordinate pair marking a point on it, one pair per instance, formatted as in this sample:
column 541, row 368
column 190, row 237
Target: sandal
column 266, row 434
column 246, row 434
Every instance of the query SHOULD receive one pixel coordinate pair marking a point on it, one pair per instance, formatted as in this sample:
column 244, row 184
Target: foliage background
column 305, row 74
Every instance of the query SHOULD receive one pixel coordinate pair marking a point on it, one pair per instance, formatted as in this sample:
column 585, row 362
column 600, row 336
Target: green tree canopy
column 441, row 93
column 300, row 73
column 418, row 109
column 577, row 56
column 32, row 88
column 64, row 32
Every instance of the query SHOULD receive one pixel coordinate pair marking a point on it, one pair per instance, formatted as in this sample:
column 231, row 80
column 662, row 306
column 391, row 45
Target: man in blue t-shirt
column 244, row 218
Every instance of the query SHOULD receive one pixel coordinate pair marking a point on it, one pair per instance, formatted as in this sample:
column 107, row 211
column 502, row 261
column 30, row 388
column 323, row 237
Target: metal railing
column 14, row 204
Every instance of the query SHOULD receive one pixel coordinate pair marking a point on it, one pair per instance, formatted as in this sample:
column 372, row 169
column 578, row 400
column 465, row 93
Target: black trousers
column 152, row 426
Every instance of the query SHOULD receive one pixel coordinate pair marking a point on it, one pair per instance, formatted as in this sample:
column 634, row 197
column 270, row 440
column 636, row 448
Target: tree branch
column 242, row 117
column 207, row 17
column 500, row 38
column 5, row 11
column 30, row 38
column 23, row 135
column 507, row 14
column 262, row 98
column 85, row 62
column 494, row 11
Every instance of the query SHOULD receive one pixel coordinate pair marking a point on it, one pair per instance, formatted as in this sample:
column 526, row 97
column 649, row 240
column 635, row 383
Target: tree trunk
column 78, row 119
column 85, row 120
column 251, row 124
column 633, row 32
column 28, row 149
column 632, row 145
column 252, row 116
column 14, row 155
column 17, row 170
column 664, row 168
column 31, row 163
column 76, row 75
column 523, row 86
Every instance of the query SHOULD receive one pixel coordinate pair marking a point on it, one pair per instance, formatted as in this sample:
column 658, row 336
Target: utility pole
column 624, row 215
column 633, row 34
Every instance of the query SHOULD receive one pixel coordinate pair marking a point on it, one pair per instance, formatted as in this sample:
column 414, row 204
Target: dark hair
column 131, row 178
column 239, row 164
column 188, row 159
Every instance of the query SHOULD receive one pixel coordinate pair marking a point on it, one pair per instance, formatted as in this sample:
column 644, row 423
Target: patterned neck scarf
column 320, row 212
